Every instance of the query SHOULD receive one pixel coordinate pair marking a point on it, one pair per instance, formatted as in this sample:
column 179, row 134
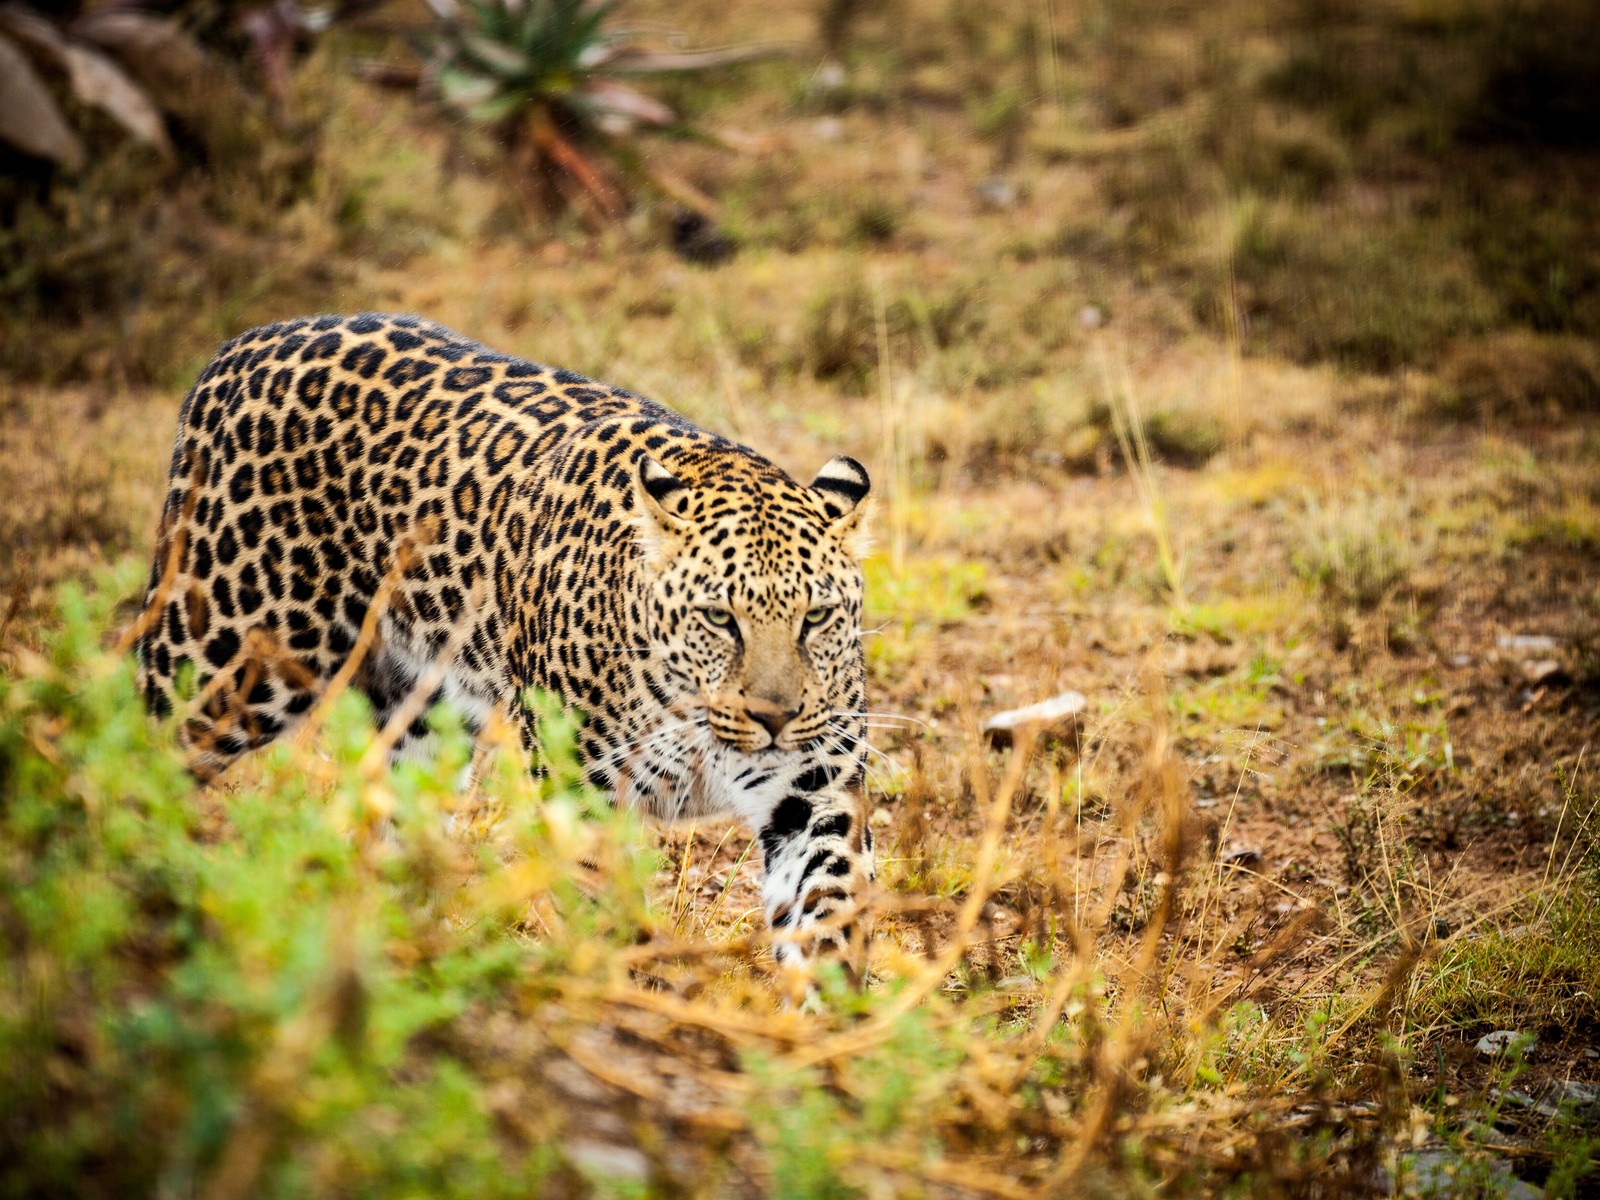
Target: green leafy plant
column 548, row 76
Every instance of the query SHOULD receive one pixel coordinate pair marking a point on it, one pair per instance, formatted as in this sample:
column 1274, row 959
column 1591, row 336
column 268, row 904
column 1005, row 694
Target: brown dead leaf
column 30, row 119
column 181, row 76
column 95, row 80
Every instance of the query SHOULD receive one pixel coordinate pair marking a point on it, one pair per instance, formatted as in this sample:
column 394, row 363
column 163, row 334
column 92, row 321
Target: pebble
column 1541, row 670
column 1240, row 856
column 1055, row 714
column 830, row 76
column 997, row 192
column 1527, row 643
column 1493, row 1044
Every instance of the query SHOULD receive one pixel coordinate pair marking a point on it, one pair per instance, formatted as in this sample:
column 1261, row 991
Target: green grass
column 1538, row 970
column 1536, row 965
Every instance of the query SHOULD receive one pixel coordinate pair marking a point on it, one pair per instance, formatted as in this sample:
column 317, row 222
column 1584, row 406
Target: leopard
column 380, row 496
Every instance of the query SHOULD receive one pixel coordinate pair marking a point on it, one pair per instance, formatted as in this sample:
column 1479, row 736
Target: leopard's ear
column 661, row 499
column 843, row 486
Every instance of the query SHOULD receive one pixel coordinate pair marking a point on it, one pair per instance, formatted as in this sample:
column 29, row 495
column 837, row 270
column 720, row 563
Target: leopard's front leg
column 818, row 853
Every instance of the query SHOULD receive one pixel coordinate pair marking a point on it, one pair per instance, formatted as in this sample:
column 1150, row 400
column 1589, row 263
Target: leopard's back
column 310, row 455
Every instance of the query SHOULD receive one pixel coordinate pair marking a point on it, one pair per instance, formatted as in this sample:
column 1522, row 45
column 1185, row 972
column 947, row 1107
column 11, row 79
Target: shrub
column 278, row 995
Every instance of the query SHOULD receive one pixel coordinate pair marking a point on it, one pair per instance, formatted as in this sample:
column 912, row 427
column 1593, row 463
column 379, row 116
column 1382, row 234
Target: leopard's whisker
column 885, row 716
column 650, row 737
column 868, row 746
column 837, row 743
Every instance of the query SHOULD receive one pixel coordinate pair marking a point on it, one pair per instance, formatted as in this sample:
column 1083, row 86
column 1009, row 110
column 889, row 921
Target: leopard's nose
column 770, row 717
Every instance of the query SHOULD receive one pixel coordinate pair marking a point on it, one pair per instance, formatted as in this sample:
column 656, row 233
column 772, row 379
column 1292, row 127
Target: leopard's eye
column 820, row 614
column 720, row 617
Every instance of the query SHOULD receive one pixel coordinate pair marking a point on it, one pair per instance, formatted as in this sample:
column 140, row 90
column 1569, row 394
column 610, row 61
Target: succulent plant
column 554, row 78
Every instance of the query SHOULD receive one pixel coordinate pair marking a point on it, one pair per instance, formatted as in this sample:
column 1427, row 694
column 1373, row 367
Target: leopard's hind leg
column 247, row 693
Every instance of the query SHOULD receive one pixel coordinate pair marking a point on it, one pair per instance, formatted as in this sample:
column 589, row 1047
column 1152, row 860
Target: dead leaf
column 1055, row 714
column 95, row 79
column 617, row 100
column 30, row 119
column 182, row 76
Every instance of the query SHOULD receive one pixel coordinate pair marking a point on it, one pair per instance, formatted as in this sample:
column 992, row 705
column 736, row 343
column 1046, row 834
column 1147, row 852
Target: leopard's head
column 753, row 598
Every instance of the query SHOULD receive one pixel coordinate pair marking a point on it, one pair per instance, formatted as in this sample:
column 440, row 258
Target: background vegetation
column 1234, row 364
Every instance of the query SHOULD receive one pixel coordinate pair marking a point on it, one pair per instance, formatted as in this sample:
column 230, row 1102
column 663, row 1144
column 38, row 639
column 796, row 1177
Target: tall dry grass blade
column 997, row 814
column 1129, row 1037
column 179, row 533
column 404, row 556
column 727, row 371
column 19, row 594
column 892, row 422
column 1128, row 425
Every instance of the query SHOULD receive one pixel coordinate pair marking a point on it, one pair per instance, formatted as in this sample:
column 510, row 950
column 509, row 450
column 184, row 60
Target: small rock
column 1527, row 643
column 1436, row 1170
column 1461, row 660
column 1522, row 1100
column 1056, row 713
column 830, row 76
column 828, row 129
column 1575, row 1091
column 1090, row 316
column 1542, row 670
column 1491, row 1045
column 1240, row 856
column 1549, row 1100
column 997, row 192
column 607, row 1159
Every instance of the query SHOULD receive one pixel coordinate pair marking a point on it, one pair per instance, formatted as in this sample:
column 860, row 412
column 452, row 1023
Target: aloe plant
column 549, row 76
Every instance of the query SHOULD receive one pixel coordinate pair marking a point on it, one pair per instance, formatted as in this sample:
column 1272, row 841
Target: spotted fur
column 700, row 608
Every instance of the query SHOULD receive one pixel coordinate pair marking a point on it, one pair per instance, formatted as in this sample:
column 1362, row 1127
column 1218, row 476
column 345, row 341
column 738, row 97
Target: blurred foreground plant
column 269, row 997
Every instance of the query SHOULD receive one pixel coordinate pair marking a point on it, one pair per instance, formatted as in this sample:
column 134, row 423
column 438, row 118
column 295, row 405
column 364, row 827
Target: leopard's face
column 754, row 604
